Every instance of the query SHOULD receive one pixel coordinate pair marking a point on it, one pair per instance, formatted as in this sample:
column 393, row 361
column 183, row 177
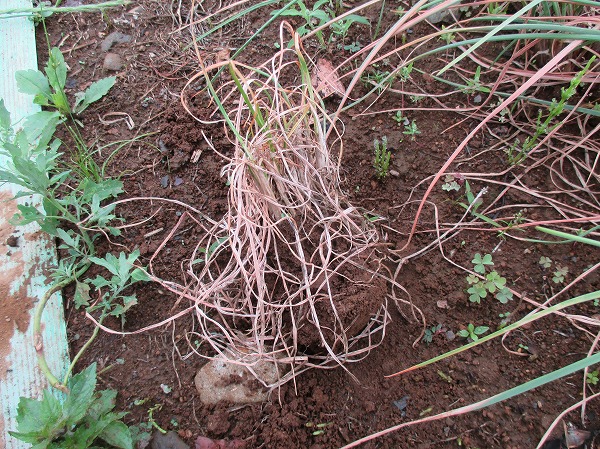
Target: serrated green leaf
column 4, row 116
column 28, row 214
column 99, row 282
column 128, row 303
column 67, row 237
column 82, row 295
column 110, row 262
column 95, row 92
column 40, row 127
column 103, row 404
column 39, row 417
column 80, row 398
column 105, row 189
column 33, row 82
column 138, row 275
column 56, row 70
column 118, row 435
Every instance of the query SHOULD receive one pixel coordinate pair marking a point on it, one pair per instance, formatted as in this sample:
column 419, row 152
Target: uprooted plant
column 290, row 248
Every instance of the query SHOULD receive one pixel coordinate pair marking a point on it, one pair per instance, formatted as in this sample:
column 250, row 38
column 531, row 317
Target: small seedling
column 545, row 262
column 151, row 410
column 543, row 126
column 352, row 47
column 474, row 85
column 313, row 18
column 445, row 377
column 416, row 98
column 320, row 428
column 496, row 8
column 431, row 332
column 405, row 72
column 124, row 274
column 411, row 130
column 492, row 283
column 477, row 291
column 505, row 320
column 450, row 184
column 381, row 160
column 380, row 79
column 559, row 274
column 340, row 27
column 593, row 377
column 480, row 262
column 448, row 36
column 49, row 89
column 400, row 119
column 473, row 332
column 508, row 225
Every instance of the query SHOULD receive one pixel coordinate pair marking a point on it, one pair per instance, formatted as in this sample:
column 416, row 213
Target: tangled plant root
column 292, row 273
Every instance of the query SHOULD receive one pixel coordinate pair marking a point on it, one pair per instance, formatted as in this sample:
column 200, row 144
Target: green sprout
column 559, row 274
column 411, row 130
column 473, row 332
column 480, row 262
column 381, row 160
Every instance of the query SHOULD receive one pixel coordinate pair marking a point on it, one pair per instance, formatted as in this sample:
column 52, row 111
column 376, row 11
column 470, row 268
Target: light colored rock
column 219, row 381
column 114, row 38
column 113, row 61
column 170, row 440
column 440, row 16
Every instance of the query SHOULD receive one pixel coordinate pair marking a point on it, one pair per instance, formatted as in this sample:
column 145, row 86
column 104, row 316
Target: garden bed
column 169, row 155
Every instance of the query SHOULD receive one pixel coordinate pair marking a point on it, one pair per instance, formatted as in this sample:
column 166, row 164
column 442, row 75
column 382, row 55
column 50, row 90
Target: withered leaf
column 325, row 80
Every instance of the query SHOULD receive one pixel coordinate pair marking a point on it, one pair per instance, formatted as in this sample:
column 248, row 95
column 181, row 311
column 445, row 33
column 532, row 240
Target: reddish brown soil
column 358, row 400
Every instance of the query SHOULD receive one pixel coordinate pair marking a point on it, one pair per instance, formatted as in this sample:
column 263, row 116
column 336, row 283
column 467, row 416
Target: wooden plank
column 26, row 254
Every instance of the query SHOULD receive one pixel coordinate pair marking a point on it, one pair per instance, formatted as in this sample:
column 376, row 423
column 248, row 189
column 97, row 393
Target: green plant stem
column 525, row 320
column 568, row 237
column 38, row 339
column 82, row 350
column 378, row 26
column 567, row 107
column 17, row 12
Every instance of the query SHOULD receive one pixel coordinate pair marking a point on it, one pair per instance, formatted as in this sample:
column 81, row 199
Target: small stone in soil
column 218, row 381
column 12, row 241
column 113, row 61
column 207, row 443
column 114, row 38
column 164, row 181
column 170, row 440
column 402, row 404
column 440, row 16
